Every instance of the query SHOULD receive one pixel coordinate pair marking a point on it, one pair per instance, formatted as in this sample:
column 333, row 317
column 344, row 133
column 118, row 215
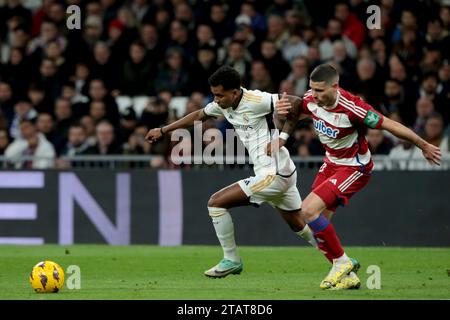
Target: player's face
column 324, row 94
column 225, row 98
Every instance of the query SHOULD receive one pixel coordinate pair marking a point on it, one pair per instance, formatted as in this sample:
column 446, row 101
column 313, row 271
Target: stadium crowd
column 67, row 92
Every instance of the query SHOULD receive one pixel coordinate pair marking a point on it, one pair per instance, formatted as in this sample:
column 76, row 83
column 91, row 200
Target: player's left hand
column 432, row 154
column 270, row 149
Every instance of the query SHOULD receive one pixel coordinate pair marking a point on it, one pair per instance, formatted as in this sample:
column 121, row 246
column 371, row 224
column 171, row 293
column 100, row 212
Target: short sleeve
column 262, row 102
column 363, row 113
column 213, row 110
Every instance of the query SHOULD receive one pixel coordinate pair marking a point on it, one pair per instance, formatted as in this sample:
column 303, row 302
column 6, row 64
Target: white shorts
column 280, row 192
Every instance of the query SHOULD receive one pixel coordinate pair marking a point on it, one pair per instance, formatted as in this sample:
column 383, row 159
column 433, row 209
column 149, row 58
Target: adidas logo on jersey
column 333, row 181
column 321, row 127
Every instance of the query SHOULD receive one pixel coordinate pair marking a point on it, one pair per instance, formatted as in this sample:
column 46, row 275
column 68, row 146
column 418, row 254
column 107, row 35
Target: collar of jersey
column 240, row 99
column 338, row 95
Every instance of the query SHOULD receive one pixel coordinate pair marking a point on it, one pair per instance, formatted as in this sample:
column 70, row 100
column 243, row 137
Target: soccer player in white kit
column 275, row 177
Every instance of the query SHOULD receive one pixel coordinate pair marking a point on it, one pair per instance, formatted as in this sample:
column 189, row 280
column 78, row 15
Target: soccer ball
column 47, row 276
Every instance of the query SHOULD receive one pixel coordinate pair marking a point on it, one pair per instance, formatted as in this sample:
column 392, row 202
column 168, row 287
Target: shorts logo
column 321, row 127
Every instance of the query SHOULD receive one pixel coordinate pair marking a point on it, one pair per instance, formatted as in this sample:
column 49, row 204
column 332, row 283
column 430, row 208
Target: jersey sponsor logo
column 321, row 127
column 372, row 119
column 244, row 127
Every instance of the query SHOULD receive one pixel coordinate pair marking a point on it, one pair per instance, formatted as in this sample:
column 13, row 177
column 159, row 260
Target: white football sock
column 225, row 233
column 307, row 234
column 342, row 259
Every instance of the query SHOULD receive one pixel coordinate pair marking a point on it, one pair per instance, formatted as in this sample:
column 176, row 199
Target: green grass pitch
column 270, row 273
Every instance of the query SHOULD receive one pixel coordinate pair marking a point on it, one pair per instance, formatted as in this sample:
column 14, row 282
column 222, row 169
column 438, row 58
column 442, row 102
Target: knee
column 214, row 201
column 309, row 213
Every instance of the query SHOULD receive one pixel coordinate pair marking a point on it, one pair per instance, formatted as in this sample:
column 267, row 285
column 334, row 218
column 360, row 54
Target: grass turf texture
column 270, row 273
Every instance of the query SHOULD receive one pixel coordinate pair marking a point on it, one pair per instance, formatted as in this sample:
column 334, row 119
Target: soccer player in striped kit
column 339, row 120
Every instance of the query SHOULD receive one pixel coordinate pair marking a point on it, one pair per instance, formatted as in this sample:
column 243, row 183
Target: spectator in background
column 437, row 38
column 205, row 37
column 98, row 92
column 333, row 34
column 367, row 82
column 39, row 15
column 128, row 122
column 153, row 44
column 344, row 65
column 258, row 21
column 45, row 124
column 88, row 124
column 48, row 32
column 179, row 38
column 354, row 29
column 79, row 101
column 299, row 75
column 138, row 72
column 17, row 71
column 173, row 75
column 431, row 88
column 47, row 78
column 378, row 142
column 77, row 142
column 36, row 95
column 103, row 67
column 7, row 101
column 81, row 78
column 288, row 87
column 278, row 67
column 184, row 14
column 32, row 144
column 260, row 79
column 136, row 143
column 118, row 41
column 220, row 24
column 23, row 110
column 237, row 58
column 444, row 15
column 424, row 108
column 277, row 31
column 409, row 49
column 294, row 47
column 407, row 21
column 106, row 140
column 393, row 101
column 97, row 110
column 64, row 118
column 203, row 67
column 244, row 34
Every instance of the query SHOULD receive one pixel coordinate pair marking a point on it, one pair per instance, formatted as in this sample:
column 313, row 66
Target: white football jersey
column 250, row 121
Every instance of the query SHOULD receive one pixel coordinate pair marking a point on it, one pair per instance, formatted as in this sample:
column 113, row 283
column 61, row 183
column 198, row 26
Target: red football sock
column 326, row 237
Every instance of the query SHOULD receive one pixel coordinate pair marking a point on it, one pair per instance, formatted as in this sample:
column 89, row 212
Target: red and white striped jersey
column 341, row 127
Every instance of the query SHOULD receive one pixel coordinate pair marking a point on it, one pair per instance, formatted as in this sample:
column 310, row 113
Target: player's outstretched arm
column 429, row 151
column 187, row 121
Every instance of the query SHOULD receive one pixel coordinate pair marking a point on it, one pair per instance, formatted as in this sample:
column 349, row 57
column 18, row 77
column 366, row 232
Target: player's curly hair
column 227, row 77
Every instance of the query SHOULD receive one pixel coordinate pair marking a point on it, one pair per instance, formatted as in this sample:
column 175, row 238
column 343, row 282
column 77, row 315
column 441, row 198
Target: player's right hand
column 283, row 105
column 153, row 135
column 432, row 153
